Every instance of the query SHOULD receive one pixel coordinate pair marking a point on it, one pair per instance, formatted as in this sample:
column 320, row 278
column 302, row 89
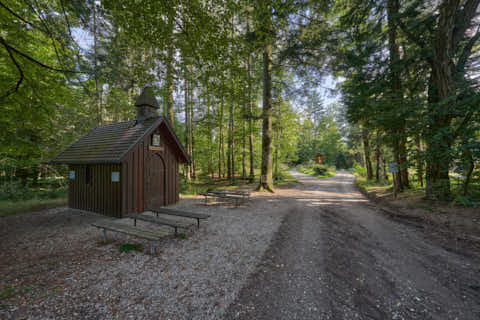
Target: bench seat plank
column 179, row 213
column 130, row 230
column 161, row 221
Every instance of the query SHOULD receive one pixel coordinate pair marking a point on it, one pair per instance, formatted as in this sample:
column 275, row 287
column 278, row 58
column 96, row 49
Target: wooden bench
column 152, row 235
column 237, row 198
column 185, row 214
column 235, row 192
column 161, row 221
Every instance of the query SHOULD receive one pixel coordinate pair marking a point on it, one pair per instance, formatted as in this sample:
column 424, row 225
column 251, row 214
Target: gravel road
column 336, row 257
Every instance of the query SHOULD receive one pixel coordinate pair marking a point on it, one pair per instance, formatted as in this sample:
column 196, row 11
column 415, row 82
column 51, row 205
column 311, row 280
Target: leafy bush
column 15, row 191
column 466, row 201
column 359, row 170
column 320, row 170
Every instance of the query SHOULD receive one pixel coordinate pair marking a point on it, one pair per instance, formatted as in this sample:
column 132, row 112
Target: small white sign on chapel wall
column 115, row 176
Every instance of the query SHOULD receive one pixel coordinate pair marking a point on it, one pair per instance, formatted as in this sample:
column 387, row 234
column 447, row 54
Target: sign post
column 393, row 168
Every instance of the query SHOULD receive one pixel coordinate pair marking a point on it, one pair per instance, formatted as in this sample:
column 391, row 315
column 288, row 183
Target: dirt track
column 336, row 257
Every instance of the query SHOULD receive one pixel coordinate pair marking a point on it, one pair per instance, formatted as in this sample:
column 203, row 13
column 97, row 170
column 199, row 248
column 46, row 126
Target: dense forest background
column 243, row 83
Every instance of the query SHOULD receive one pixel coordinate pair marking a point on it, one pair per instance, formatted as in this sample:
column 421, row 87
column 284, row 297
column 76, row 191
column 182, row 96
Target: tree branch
column 20, row 71
column 463, row 19
column 2, row 40
column 466, row 51
column 19, row 17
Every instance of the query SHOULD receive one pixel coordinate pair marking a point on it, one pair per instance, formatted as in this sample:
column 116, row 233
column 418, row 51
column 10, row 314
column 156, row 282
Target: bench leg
column 105, row 235
column 198, row 223
column 176, row 230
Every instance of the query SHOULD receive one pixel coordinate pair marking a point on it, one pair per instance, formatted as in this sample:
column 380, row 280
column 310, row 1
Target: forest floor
column 316, row 249
column 454, row 221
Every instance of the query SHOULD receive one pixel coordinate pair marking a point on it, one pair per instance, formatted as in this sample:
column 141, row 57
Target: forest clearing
column 265, row 119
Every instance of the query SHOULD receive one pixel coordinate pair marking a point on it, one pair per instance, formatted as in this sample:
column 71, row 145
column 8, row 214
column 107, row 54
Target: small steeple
column 146, row 104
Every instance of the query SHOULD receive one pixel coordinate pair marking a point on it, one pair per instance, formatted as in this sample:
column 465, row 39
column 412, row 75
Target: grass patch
column 371, row 184
column 284, row 177
column 203, row 184
column 9, row 207
column 6, row 292
column 318, row 171
column 127, row 247
column 181, row 236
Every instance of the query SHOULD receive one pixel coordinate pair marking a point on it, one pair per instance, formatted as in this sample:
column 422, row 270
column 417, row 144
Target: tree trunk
column 187, row 127
column 210, row 135
column 250, row 111
column 377, row 159
column 366, row 150
column 192, row 137
column 221, row 147
column 385, row 174
column 419, row 157
column 442, row 98
column 95, row 54
column 468, row 176
column 399, row 148
column 403, row 165
column 231, row 141
column 170, row 71
column 244, row 134
column 265, row 21
column 266, row 178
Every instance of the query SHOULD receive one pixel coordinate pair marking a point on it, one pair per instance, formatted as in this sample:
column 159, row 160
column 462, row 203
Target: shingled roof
column 110, row 143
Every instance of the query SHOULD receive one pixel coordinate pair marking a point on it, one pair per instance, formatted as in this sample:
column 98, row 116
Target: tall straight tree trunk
column 442, row 95
column 95, row 55
column 399, row 148
column 377, row 158
column 221, row 151
column 192, row 136
column 366, row 151
column 266, row 177
column 470, row 163
column 244, row 134
column 419, row 159
column 209, row 128
column 385, row 174
column 250, row 110
column 231, row 141
column 187, row 127
column 170, row 71
column 220, row 137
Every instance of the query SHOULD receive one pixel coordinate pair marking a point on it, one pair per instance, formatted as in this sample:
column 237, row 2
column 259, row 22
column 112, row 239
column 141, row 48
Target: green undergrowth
column 8, row 207
column 416, row 190
column 205, row 183
column 284, row 177
column 371, row 184
column 16, row 197
column 317, row 170
column 127, row 247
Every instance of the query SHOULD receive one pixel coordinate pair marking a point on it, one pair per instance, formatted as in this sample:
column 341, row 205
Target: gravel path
column 53, row 264
column 336, row 257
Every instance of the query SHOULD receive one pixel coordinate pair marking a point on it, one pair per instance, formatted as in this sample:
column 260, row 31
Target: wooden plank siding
column 101, row 195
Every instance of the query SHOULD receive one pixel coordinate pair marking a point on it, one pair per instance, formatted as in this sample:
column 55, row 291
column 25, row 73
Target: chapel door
column 156, row 182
